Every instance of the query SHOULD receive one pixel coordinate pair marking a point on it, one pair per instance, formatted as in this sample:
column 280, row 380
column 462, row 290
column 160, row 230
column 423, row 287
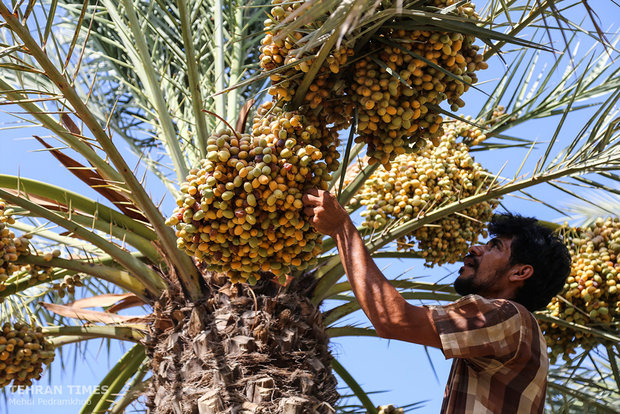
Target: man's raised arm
column 387, row 310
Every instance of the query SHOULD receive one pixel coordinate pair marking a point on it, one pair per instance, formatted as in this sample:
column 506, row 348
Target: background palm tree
column 144, row 72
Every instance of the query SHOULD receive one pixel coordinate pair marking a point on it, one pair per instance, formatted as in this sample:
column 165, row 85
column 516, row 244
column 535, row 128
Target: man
column 500, row 360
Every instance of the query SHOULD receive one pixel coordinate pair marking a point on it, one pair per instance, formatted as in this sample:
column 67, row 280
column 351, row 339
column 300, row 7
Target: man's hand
column 326, row 215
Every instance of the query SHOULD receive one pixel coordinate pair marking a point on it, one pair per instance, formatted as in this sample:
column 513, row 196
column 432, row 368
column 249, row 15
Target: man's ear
column 520, row 272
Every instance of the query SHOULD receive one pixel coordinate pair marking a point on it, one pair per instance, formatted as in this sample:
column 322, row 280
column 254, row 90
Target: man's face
column 484, row 269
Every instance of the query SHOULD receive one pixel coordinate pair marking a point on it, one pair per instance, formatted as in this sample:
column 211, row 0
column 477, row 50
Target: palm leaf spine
column 152, row 83
column 127, row 362
column 77, row 202
column 70, row 334
column 113, row 275
column 151, row 280
column 201, row 133
column 51, row 124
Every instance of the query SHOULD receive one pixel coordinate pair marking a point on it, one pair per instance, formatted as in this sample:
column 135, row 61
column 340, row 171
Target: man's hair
column 538, row 246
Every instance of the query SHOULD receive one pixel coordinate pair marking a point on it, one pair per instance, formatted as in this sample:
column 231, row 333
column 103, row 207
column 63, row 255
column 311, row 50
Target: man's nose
column 476, row 250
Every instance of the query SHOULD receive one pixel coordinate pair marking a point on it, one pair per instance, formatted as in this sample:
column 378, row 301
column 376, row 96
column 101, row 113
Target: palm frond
column 68, row 98
column 135, row 389
column 186, row 73
column 69, row 334
column 112, row 274
column 593, row 205
column 349, row 331
column 583, row 385
column 116, row 379
column 581, row 86
column 355, row 387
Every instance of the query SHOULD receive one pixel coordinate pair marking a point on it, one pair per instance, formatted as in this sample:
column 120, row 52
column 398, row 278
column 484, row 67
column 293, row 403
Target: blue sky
column 400, row 369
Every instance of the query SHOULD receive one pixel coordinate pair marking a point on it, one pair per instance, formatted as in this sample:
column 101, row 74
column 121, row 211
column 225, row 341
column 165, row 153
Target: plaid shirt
column 500, row 357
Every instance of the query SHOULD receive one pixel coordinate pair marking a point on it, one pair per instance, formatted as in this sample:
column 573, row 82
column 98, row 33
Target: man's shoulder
column 490, row 303
column 476, row 327
column 474, row 312
column 487, row 304
column 507, row 313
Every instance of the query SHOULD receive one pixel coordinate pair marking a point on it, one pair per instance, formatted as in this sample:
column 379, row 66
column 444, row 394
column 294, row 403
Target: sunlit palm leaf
column 593, row 205
column 583, row 384
column 116, row 379
column 188, row 75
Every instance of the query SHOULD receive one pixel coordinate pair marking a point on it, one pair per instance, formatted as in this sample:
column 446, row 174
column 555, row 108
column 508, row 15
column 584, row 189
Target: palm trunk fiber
column 241, row 350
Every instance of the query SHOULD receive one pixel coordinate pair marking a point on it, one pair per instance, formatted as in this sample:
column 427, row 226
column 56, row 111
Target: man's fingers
column 323, row 211
column 309, row 211
column 311, row 199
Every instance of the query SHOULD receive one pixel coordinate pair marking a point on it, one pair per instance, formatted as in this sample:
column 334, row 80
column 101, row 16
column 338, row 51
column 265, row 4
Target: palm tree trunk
column 241, row 350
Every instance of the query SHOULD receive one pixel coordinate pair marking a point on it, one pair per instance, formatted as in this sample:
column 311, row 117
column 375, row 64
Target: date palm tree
column 95, row 74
